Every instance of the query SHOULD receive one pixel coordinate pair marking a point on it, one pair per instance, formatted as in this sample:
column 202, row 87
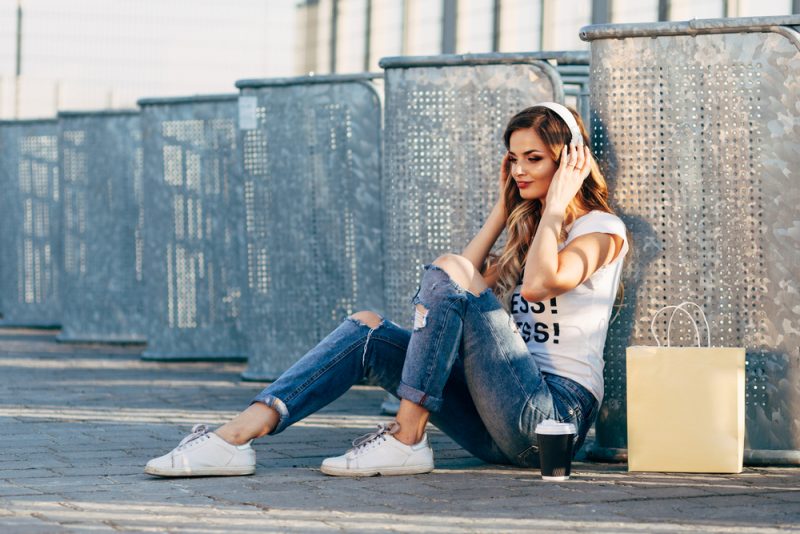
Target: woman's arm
column 548, row 272
column 541, row 263
column 480, row 246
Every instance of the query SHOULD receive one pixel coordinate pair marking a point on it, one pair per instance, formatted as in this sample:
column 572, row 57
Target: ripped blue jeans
column 464, row 361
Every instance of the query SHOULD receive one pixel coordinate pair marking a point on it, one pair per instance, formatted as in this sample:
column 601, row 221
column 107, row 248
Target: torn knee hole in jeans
column 420, row 316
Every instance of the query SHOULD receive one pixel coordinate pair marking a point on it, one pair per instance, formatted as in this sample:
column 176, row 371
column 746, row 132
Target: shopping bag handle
column 669, row 324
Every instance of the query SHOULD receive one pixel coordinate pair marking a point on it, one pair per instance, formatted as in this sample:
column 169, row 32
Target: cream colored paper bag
column 685, row 406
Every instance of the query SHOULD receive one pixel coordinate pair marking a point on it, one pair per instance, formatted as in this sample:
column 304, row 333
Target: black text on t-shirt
column 539, row 331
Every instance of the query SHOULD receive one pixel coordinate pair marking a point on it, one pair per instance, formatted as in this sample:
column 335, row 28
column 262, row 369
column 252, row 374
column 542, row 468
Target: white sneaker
column 203, row 453
column 379, row 453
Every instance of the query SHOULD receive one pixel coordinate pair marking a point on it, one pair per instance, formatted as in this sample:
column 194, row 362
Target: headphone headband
column 567, row 117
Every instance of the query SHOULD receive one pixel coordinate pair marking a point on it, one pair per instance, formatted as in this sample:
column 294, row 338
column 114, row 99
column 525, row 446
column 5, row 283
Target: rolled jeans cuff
column 432, row 404
column 276, row 404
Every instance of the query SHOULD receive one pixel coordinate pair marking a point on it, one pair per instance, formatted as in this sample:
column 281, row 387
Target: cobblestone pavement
column 78, row 423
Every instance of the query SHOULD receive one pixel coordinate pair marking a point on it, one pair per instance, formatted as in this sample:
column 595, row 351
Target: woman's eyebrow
column 531, row 151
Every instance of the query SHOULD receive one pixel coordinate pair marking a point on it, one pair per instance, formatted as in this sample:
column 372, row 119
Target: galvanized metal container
column 100, row 155
column 312, row 184
column 30, row 224
column 193, row 238
column 445, row 117
column 696, row 127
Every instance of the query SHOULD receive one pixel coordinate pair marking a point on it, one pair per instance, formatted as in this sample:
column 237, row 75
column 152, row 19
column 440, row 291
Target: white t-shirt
column 567, row 334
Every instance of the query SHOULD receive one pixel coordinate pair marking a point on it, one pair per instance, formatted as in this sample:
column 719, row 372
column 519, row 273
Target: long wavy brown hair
column 523, row 215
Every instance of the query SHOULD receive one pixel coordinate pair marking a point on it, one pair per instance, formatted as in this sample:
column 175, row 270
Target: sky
column 74, row 49
column 89, row 54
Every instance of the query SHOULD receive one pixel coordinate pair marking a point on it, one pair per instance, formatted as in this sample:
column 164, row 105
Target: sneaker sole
column 202, row 472
column 385, row 471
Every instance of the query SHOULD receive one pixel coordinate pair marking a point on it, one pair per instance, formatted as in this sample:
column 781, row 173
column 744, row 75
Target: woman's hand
column 575, row 166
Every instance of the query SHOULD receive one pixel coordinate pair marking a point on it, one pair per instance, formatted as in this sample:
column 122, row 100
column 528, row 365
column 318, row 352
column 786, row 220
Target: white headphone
column 567, row 117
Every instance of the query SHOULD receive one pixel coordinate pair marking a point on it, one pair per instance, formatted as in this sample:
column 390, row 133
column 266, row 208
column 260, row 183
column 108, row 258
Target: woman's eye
column 534, row 159
column 512, row 160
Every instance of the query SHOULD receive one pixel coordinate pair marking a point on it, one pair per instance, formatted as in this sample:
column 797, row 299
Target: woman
column 490, row 355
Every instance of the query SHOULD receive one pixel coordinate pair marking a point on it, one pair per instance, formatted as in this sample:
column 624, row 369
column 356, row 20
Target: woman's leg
column 511, row 394
column 364, row 345
column 382, row 452
column 322, row 375
column 436, row 339
column 433, row 374
column 413, row 415
column 260, row 418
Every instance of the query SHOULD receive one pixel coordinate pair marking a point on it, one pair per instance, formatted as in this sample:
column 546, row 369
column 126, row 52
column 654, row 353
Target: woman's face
column 532, row 167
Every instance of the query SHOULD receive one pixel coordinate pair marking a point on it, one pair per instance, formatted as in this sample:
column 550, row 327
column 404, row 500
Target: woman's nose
column 516, row 169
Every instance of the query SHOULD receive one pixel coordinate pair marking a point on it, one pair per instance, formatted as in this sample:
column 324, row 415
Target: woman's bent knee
column 454, row 263
column 462, row 272
column 368, row 318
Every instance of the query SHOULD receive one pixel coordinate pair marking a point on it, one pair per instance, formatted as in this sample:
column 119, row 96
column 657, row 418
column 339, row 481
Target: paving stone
column 78, row 423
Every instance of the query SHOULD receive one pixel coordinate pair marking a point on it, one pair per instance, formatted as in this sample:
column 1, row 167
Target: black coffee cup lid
column 550, row 426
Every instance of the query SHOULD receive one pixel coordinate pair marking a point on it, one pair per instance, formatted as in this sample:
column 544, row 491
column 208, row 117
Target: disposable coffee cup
column 555, row 449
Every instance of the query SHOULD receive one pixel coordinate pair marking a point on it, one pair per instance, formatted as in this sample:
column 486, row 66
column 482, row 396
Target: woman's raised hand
column 575, row 166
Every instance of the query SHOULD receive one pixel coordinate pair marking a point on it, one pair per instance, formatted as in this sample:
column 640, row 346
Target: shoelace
column 198, row 431
column 361, row 443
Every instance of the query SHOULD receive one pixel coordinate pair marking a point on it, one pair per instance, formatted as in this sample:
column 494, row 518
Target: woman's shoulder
column 597, row 221
column 597, row 216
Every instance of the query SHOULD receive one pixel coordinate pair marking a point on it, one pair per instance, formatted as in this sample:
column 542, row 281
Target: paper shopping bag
column 685, row 408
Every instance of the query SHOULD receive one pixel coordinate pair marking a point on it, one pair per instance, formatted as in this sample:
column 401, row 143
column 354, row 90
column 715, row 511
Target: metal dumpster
column 445, row 117
column 193, row 238
column 103, row 218
column 696, row 126
column 30, row 224
column 312, row 187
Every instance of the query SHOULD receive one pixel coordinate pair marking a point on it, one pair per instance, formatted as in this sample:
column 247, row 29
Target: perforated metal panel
column 30, row 224
column 443, row 148
column 573, row 70
column 698, row 136
column 193, row 229
column 312, row 191
column 101, row 191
